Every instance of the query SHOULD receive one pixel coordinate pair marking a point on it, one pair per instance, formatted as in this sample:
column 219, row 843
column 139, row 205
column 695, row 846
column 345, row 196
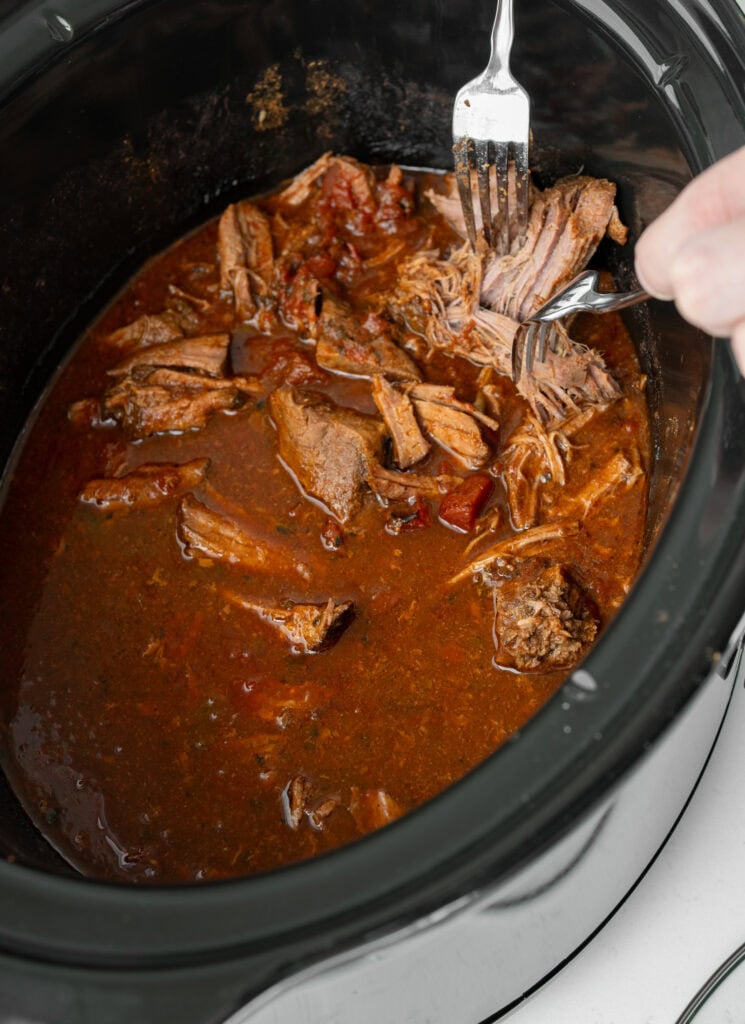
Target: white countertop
column 683, row 920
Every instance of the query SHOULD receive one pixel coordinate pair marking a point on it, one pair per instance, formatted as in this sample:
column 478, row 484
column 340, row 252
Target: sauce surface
column 157, row 731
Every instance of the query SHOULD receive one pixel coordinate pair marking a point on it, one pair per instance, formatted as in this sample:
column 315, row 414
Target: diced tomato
column 461, row 507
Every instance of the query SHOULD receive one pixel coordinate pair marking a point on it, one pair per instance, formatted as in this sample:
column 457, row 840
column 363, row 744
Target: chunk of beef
column 299, row 298
column 148, row 485
column 373, row 808
column 448, row 204
column 293, row 800
column 543, row 620
column 330, row 450
column 177, row 298
column 321, row 809
column 206, row 533
column 618, row 472
column 165, row 377
column 443, row 394
column 529, row 462
column 187, row 310
column 350, row 185
column 87, row 412
column 455, row 431
column 207, row 354
column 565, row 225
column 392, row 486
column 395, row 200
column 145, row 408
column 302, row 185
column 409, row 443
column 244, row 242
column 297, row 800
column 147, row 330
column 345, row 346
column 310, row 628
column 348, row 191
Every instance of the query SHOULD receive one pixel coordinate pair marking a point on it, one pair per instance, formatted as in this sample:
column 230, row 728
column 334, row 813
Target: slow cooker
column 122, row 125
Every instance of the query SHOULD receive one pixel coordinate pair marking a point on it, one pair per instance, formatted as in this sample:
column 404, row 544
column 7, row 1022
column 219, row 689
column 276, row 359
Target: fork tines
column 527, row 349
column 501, row 171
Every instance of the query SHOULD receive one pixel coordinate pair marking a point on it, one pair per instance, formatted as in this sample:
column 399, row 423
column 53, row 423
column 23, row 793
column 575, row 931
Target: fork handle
column 502, row 34
column 606, row 302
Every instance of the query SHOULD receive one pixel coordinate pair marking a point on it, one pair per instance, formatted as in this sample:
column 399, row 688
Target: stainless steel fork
column 491, row 129
column 580, row 295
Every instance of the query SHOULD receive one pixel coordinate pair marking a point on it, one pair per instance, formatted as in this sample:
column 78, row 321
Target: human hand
column 694, row 253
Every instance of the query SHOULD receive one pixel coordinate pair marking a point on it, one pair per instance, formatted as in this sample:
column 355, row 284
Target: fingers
column 714, row 198
column 707, row 278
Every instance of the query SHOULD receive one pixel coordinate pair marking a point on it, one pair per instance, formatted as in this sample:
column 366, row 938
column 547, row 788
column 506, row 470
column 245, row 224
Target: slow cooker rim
column 41, row 899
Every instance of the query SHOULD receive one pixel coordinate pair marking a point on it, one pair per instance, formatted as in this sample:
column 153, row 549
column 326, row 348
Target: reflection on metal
column 564, row 871
column 59, row 28
column 671, row 68
column 722, row 997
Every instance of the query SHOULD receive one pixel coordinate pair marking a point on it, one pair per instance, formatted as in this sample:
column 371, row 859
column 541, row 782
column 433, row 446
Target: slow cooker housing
column 122, row 125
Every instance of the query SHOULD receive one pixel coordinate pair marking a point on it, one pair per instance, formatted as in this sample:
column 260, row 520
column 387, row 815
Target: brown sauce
column 153, row 729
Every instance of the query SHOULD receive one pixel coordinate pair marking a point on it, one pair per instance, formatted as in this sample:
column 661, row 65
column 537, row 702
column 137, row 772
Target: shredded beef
column 439, row 300
column 566, row 223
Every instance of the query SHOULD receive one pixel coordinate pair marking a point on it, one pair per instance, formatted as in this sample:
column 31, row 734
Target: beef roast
column 207, row 354
column 543, row 619
column 409, row 444
column 456, row 431
column 148, row 485
column 147, row 330
column 205, row 533
column 310, row 628
column 392, row 486
column 345, row 346
column 145, row 408
column 329, row 449
column 245, row 247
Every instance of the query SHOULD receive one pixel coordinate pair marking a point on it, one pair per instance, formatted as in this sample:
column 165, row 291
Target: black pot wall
column 122, row 126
